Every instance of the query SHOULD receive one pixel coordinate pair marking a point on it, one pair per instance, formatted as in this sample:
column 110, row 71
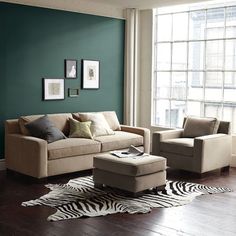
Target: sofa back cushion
column 60, row 120
column 196, row 127
column 112, row 120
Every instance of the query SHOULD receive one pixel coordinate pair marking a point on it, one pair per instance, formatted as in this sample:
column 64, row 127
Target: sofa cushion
column 196, row 127
column 130, row 166
column 112, row 119
column 99, row 126
column 72, row 147
column 182, row 146
column 80, row 129
column 119, row 140
column 44, row 128
column 60, row 120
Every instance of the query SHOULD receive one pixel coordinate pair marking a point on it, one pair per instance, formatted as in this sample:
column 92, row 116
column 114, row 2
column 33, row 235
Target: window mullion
column 203, row 112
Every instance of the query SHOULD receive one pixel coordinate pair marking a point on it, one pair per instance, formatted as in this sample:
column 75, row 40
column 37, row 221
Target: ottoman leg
column 160, row 188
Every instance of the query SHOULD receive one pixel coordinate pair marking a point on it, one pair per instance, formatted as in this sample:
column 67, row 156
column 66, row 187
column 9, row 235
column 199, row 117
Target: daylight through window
column 194, row 65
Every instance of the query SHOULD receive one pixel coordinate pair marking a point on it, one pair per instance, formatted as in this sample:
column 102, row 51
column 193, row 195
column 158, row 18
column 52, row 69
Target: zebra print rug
column 79, row 198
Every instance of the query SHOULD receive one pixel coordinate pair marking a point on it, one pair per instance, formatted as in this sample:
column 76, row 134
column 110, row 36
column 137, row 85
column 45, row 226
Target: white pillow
column 99, row 126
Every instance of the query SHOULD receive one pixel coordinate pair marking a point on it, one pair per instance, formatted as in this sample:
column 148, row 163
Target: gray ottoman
column 130, row 174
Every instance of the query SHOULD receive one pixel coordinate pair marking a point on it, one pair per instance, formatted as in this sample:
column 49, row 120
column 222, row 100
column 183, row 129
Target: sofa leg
column 224, row 169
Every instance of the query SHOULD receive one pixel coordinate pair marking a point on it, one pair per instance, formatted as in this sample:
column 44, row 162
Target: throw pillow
column 99, row 126
column 80, row 129
column 196, row 127
column 112, row 119
column 43, row 128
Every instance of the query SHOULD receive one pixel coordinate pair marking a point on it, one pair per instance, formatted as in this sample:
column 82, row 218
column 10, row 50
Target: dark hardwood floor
column 206, row 215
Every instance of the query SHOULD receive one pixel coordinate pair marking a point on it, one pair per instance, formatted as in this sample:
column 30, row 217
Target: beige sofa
column 37, row 158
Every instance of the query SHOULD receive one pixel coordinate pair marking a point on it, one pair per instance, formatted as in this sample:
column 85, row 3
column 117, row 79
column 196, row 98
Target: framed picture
column 90, row 74
column 73, row 92
column 53, row 89
column 70, row 69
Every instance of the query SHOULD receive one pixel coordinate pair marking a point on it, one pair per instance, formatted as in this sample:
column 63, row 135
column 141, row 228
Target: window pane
column 164, row 24
column 230, row 79
column 195, row 85
column 179, row 58
column 231, row 22
column 177, row 113
column 214, row 79
column 163, row 85
column 193, row 108
column 229, row 94
column 215, row 23
column 180, row 33
column 161, row 116
column 178, row 85
column 214, row 55
column 230, row 54
column 197, row 21
column 213, row 90
column 196, row 56
column 163, row 56
column 213, row 110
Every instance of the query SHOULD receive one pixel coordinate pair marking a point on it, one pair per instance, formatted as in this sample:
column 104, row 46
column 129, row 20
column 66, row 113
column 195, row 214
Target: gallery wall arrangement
column 39, row 45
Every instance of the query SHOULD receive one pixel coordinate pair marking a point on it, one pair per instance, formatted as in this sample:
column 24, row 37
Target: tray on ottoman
column 130, row 174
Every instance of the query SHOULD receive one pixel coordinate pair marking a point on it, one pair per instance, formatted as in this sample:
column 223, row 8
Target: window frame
column 204, row 70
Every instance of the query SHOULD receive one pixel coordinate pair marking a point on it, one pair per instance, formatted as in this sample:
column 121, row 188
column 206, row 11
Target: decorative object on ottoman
column 133, row 174
column 79, row 198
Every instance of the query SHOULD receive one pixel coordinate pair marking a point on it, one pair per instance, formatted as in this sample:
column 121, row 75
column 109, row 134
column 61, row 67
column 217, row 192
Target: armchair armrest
column 212, row 151
column 160, row 136
column 140, row 131
column 26, row 154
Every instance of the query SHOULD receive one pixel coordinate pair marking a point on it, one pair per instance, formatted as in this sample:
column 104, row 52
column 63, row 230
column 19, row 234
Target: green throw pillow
column 80, row 129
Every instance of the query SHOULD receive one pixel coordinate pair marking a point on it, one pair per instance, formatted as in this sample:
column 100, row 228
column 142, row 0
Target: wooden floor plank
column 206, row 215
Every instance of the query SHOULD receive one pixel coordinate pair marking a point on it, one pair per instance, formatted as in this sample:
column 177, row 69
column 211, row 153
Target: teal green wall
column 34, row 43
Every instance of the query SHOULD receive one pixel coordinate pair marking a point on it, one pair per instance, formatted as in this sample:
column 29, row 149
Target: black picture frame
column 70, row 68
column 73, row 92
column 53, row 89
column 90, row 74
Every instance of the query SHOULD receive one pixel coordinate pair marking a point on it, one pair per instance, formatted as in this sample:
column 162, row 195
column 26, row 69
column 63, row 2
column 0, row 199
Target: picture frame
column 73, row 92
column 70, row 68
column 90, row 74
column 53, row 89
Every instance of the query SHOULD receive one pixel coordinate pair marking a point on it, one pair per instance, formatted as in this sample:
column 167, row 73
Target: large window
column 194, row 64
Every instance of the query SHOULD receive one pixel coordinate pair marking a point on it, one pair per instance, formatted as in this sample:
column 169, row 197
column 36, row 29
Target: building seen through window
column 194, row 64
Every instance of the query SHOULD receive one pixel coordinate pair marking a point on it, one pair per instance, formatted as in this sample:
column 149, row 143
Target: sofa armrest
column 160, row 136
column 140, row 131
column 26, row 154
column 212, row 151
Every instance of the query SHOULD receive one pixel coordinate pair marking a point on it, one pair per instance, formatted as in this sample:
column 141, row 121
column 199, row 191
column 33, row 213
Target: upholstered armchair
column 204, row 144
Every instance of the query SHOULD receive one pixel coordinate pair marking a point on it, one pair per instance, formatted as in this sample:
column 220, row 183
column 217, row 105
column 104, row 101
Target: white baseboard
column 233, row 161
column 2, row 164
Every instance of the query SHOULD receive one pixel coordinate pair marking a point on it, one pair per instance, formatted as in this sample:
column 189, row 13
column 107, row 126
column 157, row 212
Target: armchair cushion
column 182, row 146
column 195, row 127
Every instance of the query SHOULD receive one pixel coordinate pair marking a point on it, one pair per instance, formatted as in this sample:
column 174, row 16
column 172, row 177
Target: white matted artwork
column 90, row 78
column 70, row 68
column 53, row 89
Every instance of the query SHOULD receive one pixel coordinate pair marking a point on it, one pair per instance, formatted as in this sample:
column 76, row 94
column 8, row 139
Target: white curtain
column 131, row 68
